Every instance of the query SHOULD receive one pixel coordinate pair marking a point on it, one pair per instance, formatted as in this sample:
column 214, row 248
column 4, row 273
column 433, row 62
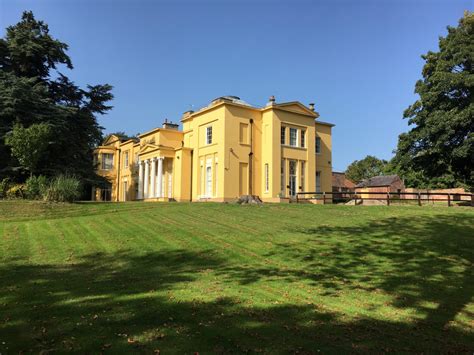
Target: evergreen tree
column 34, row 91
column 439, row 150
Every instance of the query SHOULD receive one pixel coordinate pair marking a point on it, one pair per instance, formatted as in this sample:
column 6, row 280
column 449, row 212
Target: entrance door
column 243, row 179
column 292, row 178
column 106, row 194
column 208, row 181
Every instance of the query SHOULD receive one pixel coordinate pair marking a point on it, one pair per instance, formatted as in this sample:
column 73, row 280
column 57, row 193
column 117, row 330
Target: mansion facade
column 225, row 150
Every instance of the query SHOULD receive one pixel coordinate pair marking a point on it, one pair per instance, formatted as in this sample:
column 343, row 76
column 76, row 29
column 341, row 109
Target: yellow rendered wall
column 324, row 160
column 204, row 154
column 299, row 121
column 128, row 173
column 110, row 175
column 271, row 154
column 163, row 137
column 228, row 155
column 237, row 153
column 182, row 175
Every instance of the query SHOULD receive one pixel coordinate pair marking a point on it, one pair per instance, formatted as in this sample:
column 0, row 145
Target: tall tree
column 366, row 168
column 438, row 151
column 34, row 91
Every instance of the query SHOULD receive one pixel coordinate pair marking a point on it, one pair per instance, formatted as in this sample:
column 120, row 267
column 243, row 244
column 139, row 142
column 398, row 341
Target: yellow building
column 225, row 150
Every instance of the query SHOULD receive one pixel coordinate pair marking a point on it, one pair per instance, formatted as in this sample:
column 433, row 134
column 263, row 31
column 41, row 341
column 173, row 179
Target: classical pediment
column 296, row 106
column 111, row 139
column 149, row 147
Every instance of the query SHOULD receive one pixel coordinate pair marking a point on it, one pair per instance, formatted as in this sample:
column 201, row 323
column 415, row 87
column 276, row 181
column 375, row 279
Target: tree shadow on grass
column 423, row 263
column 421, row 259
column 124, row 302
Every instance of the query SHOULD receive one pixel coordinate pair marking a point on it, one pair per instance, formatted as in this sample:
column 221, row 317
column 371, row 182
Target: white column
column 153, row 178
column 146, row 180
column 160, row 177
column 140, row 180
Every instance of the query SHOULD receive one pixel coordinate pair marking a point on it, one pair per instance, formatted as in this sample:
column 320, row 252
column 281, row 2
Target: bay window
column 107, row 161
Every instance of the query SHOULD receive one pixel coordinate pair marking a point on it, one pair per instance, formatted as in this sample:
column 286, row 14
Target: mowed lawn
column 223, row 278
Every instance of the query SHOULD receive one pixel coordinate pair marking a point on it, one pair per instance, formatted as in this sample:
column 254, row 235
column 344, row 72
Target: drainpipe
column 251, row 159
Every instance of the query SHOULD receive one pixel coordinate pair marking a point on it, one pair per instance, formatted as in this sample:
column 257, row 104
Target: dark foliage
column 439, row 150
column 33, row 91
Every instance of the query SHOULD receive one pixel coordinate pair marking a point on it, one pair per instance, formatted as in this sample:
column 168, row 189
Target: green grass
column 217, row 278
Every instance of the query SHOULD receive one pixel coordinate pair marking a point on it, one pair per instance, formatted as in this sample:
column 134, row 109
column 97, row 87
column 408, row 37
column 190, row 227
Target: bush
column 4, row 186
column 63, row 188
column 36, row 187
column 15, row 191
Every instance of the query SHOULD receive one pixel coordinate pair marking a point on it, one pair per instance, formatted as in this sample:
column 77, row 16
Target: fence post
column 388, row 199
column 419, row 199
column 472, row 200
column 297, row 201
column 324, row 198
column 449, row 200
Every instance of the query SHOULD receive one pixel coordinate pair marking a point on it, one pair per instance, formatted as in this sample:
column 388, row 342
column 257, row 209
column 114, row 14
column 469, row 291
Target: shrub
column 16, row 191
column 4, row 186
column 63, row 188
column 36, row 187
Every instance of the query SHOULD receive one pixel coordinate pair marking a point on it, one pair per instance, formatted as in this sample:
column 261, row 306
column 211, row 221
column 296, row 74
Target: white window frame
column 317, row 145
column 125, row 159
column 209, row 135
column 282, row 177
column 293, row 176
column 302, row 138
column 208, row 183
column 283, row 135
column 203, row 180
column 107, row 165
column 295, row 130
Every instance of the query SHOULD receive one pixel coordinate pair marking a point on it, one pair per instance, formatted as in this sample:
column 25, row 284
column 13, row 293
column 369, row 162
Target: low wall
column 453, row 193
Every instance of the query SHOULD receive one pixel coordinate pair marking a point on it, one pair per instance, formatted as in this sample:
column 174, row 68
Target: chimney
column 187, row 113
column 311, row 106
column 271, row 101
column 170, row 125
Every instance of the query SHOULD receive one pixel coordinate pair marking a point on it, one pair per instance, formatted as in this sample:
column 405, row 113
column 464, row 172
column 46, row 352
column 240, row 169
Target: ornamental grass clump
column 63, row 188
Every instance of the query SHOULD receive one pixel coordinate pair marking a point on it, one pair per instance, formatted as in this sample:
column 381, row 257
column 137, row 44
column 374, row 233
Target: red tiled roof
column 340, row 180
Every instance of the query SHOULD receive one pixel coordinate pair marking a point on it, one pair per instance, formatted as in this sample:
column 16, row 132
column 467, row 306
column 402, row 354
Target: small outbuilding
column 341, row 185
column 381, row 184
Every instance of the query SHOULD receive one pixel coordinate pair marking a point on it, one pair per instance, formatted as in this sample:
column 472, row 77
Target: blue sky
column 357, row 60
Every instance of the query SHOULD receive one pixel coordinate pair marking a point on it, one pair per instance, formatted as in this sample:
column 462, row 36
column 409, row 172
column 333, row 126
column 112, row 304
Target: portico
column 152, row 174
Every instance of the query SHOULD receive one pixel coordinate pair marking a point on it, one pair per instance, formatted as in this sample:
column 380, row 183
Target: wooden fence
column 388, row 197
